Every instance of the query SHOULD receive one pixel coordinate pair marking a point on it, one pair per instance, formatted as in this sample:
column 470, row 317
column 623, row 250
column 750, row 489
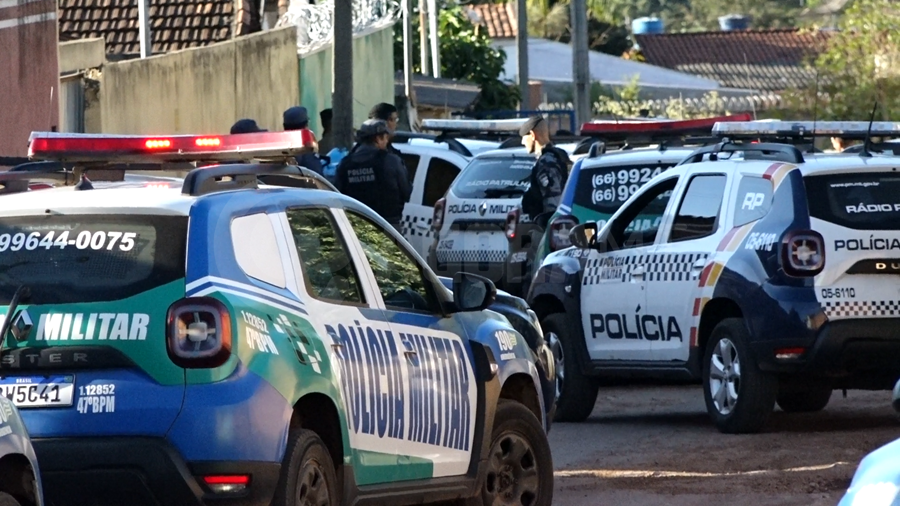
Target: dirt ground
column 656, row 446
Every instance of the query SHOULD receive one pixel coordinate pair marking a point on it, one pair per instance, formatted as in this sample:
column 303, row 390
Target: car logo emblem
column 482, row 208
column 21, row 326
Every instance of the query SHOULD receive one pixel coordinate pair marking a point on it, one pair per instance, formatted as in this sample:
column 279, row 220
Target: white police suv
column 770, row 274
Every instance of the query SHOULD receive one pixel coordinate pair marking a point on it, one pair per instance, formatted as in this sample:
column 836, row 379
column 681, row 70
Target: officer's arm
column 399, row 168
column 339, row 175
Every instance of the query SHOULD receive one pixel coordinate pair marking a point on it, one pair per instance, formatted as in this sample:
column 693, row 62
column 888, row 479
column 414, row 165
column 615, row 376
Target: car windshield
column 89, row 258
column 604, row 189
column 494, row 177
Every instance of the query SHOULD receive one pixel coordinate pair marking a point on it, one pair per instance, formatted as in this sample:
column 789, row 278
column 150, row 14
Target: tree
column 552, row 22
column 466, row 53
column 857, row 68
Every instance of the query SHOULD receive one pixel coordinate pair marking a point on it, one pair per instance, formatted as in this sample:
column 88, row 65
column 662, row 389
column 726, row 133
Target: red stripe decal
column 696, row 307
column 694, row 336
column 727, row 239
column 771, row 170
column 705, row 274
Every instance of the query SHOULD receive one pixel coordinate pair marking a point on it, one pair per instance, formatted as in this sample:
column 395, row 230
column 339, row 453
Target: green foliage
column 858, row 67
column 466, row 54
column 697, row 15
column 552, row 22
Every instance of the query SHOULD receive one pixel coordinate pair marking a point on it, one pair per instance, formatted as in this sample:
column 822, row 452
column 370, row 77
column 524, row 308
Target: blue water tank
column 647, row 25
column 734, row 22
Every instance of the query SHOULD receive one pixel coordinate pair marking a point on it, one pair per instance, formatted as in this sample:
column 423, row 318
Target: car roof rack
column 765, row 151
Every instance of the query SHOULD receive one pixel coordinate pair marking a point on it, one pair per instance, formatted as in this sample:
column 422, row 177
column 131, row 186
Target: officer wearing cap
column 373, row 175
column 297, row 118
column 246, row 126
column 550, row 171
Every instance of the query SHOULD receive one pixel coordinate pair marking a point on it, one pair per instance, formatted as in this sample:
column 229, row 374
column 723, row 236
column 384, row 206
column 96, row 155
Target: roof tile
column 499, row 19
column 116, row 21
column 763, row 60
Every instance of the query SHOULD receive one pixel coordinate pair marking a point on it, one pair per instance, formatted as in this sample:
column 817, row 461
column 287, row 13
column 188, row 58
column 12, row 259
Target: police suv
column 768, row 273
column 226, row 341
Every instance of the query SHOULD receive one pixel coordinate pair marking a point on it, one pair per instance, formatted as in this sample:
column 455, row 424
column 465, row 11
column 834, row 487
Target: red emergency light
column 659, row 126
column 162, row 148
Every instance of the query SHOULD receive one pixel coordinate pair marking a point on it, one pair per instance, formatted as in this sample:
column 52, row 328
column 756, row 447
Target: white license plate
column 38, row 391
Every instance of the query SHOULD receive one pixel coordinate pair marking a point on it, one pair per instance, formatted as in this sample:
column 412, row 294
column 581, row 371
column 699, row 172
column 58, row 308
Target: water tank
column 647, row 25
column 734, row 22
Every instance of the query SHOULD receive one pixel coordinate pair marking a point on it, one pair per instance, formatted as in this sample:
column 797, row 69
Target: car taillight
column 198, row 333
column 437, row 220
column 559, row 232
column 227, row 484
column 803, row 253
column 512, row 223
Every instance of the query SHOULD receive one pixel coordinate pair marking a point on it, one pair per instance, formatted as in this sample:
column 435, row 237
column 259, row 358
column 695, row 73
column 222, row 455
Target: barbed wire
column 314, row 22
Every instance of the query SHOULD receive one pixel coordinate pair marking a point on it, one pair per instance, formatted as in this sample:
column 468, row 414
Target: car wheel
column 307, row 474
column 576, row 393
column 519, row 466
column 804, row 401
column 8, row 500
column 739, row 396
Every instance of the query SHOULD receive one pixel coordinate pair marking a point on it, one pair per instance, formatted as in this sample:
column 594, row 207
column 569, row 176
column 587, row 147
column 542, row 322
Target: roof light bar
column 810, row 129
column 474, row 125
column 658, row 126
column 158, row 149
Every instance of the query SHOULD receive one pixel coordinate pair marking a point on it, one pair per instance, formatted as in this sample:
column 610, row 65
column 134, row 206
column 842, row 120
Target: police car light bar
column 845, row 129
column 162, row 148
column 657, row 126
column 474, row 125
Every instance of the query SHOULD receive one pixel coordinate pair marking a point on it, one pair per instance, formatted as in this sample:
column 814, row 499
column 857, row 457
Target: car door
column 440, row 390
column 614, row 287
column 433, row 178
column 364, row 356
column 696, row 229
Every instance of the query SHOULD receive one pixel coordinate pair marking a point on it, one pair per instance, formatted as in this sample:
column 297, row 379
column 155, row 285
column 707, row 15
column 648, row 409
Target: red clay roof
column 499, row 19
column 770, row 60
column 174, row 24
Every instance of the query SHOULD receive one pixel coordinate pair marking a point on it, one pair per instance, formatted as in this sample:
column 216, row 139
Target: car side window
column 327, row 269
column 400, row 279
column 698, row 213
column 754, row 199
column 439, row 176
column 638, row 225
column 412, row 163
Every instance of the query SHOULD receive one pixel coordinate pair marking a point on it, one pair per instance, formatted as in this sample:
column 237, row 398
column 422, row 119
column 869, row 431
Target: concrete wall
column 81, row 54
column 29, row 73
column 373, row 76
column 203, row 90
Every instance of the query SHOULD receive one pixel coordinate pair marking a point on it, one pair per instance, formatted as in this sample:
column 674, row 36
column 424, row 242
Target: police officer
column 297, row 118
column 550, row 171
column 388, row 113
column 373, row 175
column 246, row 126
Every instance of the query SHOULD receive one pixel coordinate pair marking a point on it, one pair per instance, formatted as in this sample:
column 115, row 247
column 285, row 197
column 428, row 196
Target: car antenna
column 812, row 146
column 868, row 142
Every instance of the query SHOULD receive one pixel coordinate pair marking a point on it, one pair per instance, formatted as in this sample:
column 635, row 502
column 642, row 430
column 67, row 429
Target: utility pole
column 522, row 45
column 407, row 52
column 342, row 74
column 423, row 37
column 144, row 28
column 581, row 63
column 435, row 46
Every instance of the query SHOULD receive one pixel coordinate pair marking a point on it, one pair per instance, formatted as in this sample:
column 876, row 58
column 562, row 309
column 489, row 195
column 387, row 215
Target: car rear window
column 89, row 258
column 863, row 201
column 605, row 189
column 487, row 178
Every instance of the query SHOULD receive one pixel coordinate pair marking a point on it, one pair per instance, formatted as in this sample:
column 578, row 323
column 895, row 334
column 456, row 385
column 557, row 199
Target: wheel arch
column 17, row 478
column 520, row 387
column 318, row 413
column 714, row 312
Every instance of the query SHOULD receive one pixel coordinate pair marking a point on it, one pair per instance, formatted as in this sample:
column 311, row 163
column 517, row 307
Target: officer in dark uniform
column 373, row 175
column 297, row 118
column 389, row 114
column 550, row 171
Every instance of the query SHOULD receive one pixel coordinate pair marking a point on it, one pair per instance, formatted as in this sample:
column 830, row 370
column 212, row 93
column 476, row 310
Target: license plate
column 38, row 391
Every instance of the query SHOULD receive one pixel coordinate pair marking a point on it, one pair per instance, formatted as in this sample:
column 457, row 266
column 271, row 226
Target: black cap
column 530, row 124
column 296, row 117
column 371, row 128
column 246, row 126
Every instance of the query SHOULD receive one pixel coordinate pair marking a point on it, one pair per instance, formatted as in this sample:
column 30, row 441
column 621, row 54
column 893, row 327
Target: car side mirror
column 583, row 235
column 896, row 398
column 472, row 292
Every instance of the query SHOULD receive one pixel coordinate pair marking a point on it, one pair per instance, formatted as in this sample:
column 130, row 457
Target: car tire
column 577, row 392
column 520, row 465
column 804, row 401
column 8, row 500
column 739, row 396
column 307, row 473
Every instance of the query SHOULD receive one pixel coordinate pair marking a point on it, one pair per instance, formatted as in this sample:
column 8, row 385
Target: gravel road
column 656, row 446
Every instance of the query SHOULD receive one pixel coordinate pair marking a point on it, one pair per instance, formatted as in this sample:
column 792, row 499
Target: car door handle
column 699, row 265
column 422, row 224
column 638, row 272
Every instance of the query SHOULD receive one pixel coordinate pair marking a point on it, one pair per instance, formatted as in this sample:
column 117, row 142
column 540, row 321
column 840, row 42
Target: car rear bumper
column 140, row 471
column 859, row 353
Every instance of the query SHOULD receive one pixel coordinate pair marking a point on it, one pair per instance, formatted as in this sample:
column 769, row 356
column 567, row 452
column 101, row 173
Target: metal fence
column 314, row 22
column 677, row 108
